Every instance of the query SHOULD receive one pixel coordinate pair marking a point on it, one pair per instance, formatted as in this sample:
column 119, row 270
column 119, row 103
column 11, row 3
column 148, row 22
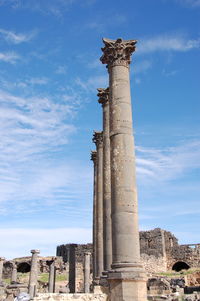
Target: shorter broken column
column 1, row 270
column 14, row 273
column 72, row 268
column 52, row 276
column 87, row 272
column 32, row 288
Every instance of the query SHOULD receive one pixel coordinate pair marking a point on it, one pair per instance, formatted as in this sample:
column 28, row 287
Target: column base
column 127, row 285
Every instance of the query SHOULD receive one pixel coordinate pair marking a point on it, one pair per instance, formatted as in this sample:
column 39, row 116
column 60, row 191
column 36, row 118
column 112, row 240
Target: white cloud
column 15, row 38
column 92, row 83
column 9, row 57
column 51, row 7
column 142, row 66
column 38, row 80
column 31, row 130
column 167, row 43
column 190, row 3
column 61, row 70
column 169, row 163
column 21, row 240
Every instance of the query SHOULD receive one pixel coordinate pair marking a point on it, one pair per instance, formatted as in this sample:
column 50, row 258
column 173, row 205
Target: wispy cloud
column 190, row 3
column 31, row 128
column 61, row 70
column 38, row 80
column 38, row 118
column 169, row 163
column 9, row 57
column 51, row 7
column 113, row 20
column 92, row 83
column 142, row 66
column 168, row 43
column 21, row 240
column 16, row 38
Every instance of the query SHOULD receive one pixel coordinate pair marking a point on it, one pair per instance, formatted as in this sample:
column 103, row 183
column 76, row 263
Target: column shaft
column 107, row 227
column 72, row 268
column 1, row 269
column 32, row 289
column 14, row 273
column 124, row 194
column 98, row 139
column 87, row 273
column 94, row 263
column 52, row 277
column 127, row 279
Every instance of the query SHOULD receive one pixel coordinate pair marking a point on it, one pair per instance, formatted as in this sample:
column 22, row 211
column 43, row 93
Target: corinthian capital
column 103, row 95
column 98, row 138
column 94, row 156
column 117, row 52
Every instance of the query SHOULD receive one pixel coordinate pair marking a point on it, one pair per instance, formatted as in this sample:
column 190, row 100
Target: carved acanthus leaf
column 98, row 138
column 103, row 95
column 93, row 156
column 117, row 52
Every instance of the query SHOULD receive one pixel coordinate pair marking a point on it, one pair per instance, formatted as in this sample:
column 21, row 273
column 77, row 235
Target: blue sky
column 49, row 73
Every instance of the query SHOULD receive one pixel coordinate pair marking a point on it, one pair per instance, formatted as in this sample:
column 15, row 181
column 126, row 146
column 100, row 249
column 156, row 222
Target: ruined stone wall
column 63, row 250
column 157, row 242
column 185, row 253
column 153, row 264
column 159, row 251
column 24, row 263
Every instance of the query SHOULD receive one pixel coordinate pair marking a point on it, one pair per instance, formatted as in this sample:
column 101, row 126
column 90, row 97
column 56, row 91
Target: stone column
column 14, row 273
column 162, row 233
column 107, row 228
column 52, row 276
column 98, row 140
column 72, row 268
column 127, row 279
column 87, row 272
column 94, row 263
column 32, row 288
column 2, row 259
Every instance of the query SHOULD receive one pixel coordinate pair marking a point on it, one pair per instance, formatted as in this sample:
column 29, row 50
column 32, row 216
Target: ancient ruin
column 160, row 252
column 122, row 264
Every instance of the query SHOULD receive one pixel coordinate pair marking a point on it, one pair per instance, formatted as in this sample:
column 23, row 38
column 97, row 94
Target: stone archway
column 23, row 267
column 179, row 266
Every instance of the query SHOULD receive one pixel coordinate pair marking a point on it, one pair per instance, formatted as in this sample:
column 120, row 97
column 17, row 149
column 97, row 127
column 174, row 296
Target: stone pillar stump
column 14, row 273
column 52, row 276
column 72, row 268
column 2, row 259
column 32, row 288
column 87, row 272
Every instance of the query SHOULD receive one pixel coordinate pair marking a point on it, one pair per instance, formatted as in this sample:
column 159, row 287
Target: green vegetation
column 44, row 277
column 178, row 274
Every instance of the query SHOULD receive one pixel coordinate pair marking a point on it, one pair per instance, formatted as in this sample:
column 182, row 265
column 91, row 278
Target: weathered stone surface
column 94, row 234
column 66, row 297
column 72, row 268
column 32, row 287
column 87, row 273
column 63, row 251
column 14, row 273
column 52, row 276
column 98, row 140
column 127, row 278
column 2, row 259
column 103, row 95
